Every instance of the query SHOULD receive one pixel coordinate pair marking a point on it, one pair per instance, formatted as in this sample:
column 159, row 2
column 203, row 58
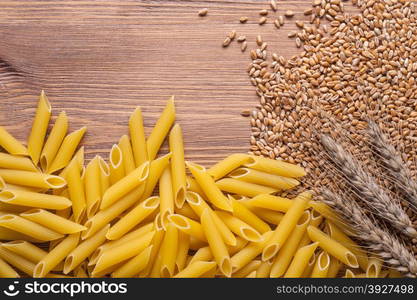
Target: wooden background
column 98, row 60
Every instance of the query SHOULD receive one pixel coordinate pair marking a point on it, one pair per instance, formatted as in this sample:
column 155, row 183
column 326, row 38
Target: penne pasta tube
column 166, row 195
column 333, row 247
column 264, row 270
column 217, row 246
column 107, row 215
column 248, row 269
column 321, row 267
column 169, row 250
column 276, row 167
column 39, row 128
column 193, row 186
column 315, row 221
column 183, row 248
column 11, row 208
column 240, row 244
column 300, row 261
column 283, row 259
column 188, row 226
column 52, row 221
column 29, row 228
column 54, row 141
column 328, row 213
column 334, row 267
column 137, row 135
column 117, row 168
column 248, row 253
column 7, row 271
column 14, row 162
column 84, row 250
column 56, row 255
column 32, row 179
column 176, row 146
column 76, row 191
column 156, row 268
column 242, row 212
column 92, row 186
column 124, row 185
column 342, row 238
column 264, row 179
column 80, row 272
column 123, row 252
column 32, row 199
column 133, row 218
column 26, row 250
column 196, row 244
column 7, row 234
column 287, row 224
column 10, row 144
column 202, row 254
column 161, row 129
column 271, row 202
column 104, row 175
column 349, row 274
column 78, row 160
column 199, row 205
column 374, row 267
column 309, row 267
column 187, row 211
column 127, row 154
column 67, row 149
column 211, row 190
column 134, row 265
column 156, row 244
column 239, row 227
column 196, row 269
column 156, row 168
column 270, row 216
column 251, row 275
column 235, row 186
column 227, row 165
column 17, row 261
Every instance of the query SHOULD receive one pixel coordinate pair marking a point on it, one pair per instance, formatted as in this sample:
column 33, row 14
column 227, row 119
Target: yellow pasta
column 300, row 261
column 117, row 168
column 29, row 228
column 193, row 186
column 39, row 128
column 334, row 267
column 267, row 215
column 161, row 129
column 271, row 202
column 7, row 271
column 7, row 234
column 283, row 259
column 137, row 135
column 67, row 149
column 209, row 187
column 374, row 267
column 156, row 244
column 156, row 168
column 196, row 269
column 264, row 179
column 52, row 221
column 123, row 252
column 310, row 266
column 276, row 167
column 78, row 158
column 54, row 141
column 26, row 250
column 56, row 255
column 104, row 175
column 315, row 221
column 14, row 162
column 321, row 266
column 17, row 261
column 187, row 211
column 248, row 269
column 333, row 247
column 127, row 153
column 176, row 146
column 235, row 186
column 239, row 227
column 286, row 225
column 217, row 246
column 93, row 186
column 32, row 179
column 10, row 144
column 32, row 199
column 227, row 165
column 169, row 250
column 166, row 195
column 249, row 252
column 134, row 265
column 188, row 226
column 133, row 218
column 329, row 214
column 76, row 191
column 264, row 270
column 183, row 248
column 199, row 205
column 125, row 185
column 349, row 274
column 242, row 212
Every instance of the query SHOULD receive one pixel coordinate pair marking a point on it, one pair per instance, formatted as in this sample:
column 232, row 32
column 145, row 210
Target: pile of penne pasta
column 140, row 215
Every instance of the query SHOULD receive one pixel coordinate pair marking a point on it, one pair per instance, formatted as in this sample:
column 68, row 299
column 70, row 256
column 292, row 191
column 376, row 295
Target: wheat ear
column 394, row 164
column 394, row 253
column 368, row 190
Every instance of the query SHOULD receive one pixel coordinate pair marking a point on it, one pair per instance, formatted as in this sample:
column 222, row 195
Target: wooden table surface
column 98, row 60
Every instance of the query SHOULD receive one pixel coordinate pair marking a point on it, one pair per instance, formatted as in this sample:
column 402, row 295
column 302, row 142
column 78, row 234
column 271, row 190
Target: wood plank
column 98, row 60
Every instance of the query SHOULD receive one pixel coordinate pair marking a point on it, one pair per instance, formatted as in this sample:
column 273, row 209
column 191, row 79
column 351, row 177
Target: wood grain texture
column 98, row 60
